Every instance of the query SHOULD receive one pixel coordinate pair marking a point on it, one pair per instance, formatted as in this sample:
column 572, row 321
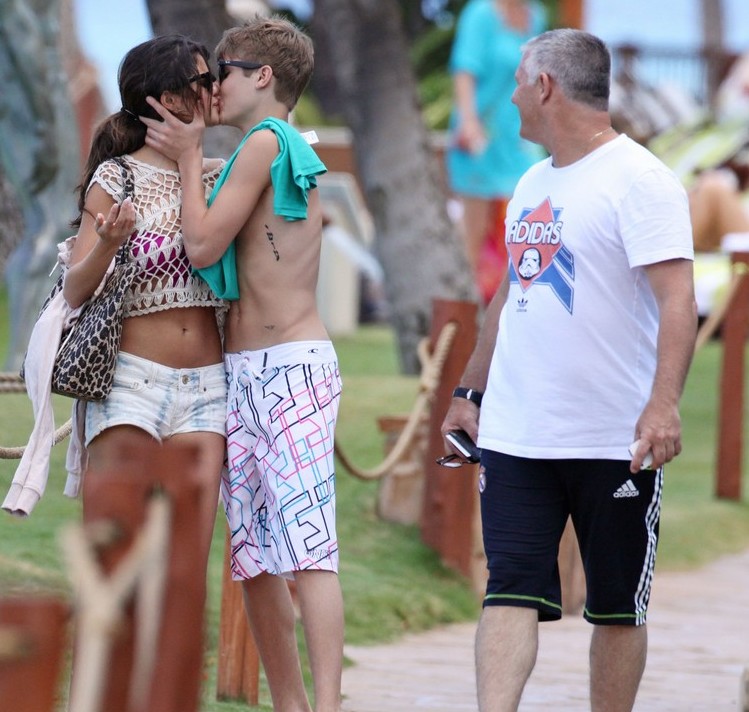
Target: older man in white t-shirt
column 576, row 361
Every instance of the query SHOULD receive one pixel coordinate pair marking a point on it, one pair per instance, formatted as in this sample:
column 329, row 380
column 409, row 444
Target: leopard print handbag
column 86, row 359
column 87, row 355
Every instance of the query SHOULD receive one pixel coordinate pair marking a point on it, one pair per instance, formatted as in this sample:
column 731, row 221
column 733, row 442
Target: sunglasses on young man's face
column 224, row 63
column 206, row 80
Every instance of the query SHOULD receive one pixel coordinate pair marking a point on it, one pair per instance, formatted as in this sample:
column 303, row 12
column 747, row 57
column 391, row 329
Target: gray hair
column 578, row 61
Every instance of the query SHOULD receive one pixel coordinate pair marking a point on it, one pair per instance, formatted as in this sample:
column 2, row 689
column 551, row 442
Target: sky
column 108, row 28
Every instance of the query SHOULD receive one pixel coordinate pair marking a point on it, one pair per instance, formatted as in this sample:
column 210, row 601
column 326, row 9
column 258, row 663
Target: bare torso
column 278, row 265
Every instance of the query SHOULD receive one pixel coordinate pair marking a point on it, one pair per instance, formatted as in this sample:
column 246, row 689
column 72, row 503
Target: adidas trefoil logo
column 628, row 489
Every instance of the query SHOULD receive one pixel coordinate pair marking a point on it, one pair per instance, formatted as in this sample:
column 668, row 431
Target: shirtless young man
column 284, row 384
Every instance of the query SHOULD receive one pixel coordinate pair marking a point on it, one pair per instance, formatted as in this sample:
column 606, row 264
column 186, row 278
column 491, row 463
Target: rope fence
column 431, row 372
column 11, row 383
column 16, row 453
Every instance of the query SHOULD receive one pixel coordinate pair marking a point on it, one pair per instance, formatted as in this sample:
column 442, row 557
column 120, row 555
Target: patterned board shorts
column 279, row 488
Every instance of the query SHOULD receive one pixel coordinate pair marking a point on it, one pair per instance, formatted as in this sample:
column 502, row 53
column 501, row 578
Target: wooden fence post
column 121, row 497
column 731, row 416
column 33, row 633
column 449, row 494
column 238, row 660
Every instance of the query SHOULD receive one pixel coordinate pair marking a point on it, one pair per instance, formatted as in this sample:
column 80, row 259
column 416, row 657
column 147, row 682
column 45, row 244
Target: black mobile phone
column 462, row 442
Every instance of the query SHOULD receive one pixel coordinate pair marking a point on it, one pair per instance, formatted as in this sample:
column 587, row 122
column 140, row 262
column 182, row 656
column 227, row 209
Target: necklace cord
column 596, row 135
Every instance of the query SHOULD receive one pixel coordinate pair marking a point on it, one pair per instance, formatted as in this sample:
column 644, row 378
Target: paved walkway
column 697, row 653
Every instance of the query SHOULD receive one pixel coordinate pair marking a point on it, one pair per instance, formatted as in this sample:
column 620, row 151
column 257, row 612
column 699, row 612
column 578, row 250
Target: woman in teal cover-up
column 486, row 155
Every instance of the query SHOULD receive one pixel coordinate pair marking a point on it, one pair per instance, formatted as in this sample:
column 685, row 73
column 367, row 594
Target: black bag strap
column 128, row 191
column 128, row 185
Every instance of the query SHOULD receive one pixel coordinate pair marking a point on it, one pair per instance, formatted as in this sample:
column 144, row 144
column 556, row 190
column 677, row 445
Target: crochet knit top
column 165, row 279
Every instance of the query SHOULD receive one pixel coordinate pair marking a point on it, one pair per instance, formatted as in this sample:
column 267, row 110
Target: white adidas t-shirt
column 576, row 350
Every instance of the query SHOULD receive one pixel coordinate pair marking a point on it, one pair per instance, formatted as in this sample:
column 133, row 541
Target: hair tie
column 130, row 115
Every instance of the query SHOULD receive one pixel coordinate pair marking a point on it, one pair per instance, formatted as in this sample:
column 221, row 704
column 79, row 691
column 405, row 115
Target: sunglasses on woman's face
column 206, row 80
column 223, row 72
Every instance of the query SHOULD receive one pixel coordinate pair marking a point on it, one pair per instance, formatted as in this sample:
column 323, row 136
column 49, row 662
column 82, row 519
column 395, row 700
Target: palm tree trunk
column 422, row 257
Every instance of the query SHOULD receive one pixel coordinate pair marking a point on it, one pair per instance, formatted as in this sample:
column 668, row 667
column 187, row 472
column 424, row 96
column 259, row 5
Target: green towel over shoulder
column 292, row 173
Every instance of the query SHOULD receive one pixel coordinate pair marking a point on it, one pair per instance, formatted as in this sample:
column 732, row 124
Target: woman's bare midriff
column 185, row 337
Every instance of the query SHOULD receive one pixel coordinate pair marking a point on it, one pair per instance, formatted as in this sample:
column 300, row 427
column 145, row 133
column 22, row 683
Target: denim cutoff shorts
column 161, row 400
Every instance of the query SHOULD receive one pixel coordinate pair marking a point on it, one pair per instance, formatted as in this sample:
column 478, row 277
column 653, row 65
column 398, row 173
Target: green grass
column 391, row 582
column 695, row 525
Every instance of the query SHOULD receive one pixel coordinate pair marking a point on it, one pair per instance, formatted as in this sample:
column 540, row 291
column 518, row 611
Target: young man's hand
column 173, row 137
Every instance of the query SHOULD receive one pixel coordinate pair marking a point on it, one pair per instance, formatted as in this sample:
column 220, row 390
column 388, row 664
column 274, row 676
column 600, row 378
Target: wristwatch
column 468, row 394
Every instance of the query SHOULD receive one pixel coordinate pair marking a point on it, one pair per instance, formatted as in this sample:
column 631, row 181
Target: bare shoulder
column 264, row 137
column 256, row 156
column 97, row 199
column 262, row 143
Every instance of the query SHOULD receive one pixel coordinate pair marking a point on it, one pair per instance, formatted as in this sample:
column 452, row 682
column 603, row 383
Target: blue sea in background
column 108, row 28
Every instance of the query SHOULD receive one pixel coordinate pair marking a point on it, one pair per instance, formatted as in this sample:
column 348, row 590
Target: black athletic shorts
column 525, row 504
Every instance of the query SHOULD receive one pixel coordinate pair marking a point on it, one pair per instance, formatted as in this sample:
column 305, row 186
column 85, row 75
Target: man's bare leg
column 321, row 604
column 506, row 649
column 617, row 661
column 270, row 612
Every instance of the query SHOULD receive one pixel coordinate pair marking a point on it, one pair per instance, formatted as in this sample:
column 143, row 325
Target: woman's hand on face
column 171, row 136
column 118, row 225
